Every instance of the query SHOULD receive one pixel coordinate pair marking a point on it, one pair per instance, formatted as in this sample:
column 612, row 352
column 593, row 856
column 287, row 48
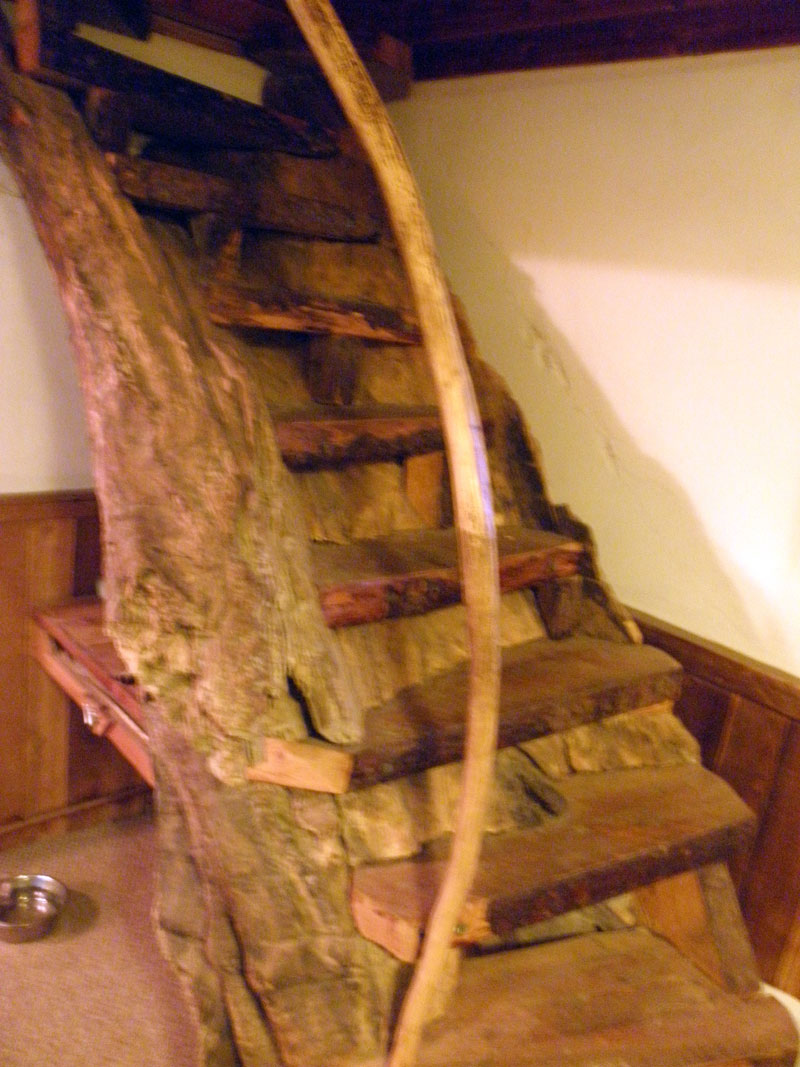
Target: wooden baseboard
column 126, row 803
column 746, row 716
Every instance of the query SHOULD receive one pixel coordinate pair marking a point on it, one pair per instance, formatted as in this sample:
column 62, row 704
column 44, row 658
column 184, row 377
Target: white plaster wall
column 627, row 241
column 43, row 442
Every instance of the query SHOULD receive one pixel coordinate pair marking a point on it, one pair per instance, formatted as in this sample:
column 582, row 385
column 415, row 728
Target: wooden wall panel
column 49, row 551
column 747, row 719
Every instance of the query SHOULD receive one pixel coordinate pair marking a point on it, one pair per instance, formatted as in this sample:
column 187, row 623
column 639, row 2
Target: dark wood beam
column 693, row 28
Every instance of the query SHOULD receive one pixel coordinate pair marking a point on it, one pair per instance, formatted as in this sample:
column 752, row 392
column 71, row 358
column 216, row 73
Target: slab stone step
column 618, row 999
column 546, row 687
column 328, row 436
column 411, row 572
column 614, row 832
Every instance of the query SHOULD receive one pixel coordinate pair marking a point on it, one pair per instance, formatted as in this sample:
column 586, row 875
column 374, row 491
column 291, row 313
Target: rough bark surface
column 209, row 597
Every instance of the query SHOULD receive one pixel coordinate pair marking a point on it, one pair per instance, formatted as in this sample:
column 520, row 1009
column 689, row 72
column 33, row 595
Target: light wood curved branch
column 470, row 481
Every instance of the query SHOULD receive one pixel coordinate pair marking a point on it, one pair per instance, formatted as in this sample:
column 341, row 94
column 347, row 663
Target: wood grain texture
column 409, row 573
column 264, row 204
column 331, row 436
column 232, row 304
column 640, row 1004
column 595, row 849
column 745, row 715
column 546, row 687
column 48, row 551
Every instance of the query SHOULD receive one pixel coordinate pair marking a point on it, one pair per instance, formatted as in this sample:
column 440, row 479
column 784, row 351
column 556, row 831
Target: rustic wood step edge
column 547, row 687
column 270, row 207
column 331, row 436
column 619, row 830
column 349, row 596
column 639, row 1002
column 243, row 306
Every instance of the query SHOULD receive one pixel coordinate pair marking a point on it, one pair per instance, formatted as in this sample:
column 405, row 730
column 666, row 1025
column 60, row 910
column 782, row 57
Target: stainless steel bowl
column 29, row 905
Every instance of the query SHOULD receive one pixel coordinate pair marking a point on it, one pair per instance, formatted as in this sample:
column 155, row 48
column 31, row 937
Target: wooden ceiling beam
column 724, row 25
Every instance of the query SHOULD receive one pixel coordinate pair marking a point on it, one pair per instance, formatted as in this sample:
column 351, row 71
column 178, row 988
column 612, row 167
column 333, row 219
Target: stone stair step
column 602, row 1000
column 546, row 687
column 614, row 832
column 411, row 572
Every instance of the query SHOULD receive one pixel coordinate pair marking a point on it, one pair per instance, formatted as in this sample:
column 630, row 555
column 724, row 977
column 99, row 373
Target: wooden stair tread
column 618, row 830
column 232, row 303
column 618, row 999
column 413, row 571
column 266, row 206
column 327, row 435
column 547, row 687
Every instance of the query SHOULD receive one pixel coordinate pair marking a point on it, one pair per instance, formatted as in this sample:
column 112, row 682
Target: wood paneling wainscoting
column 746, row 717
column 54, row 773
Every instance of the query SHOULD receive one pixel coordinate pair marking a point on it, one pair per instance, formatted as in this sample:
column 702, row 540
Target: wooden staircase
column 300, row 264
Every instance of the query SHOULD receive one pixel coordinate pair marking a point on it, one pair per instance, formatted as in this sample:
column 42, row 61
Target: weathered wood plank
column 231, row 304
column 265, row 204
column 166, row 105
column 303, row 765
column 728, row 670
column 331, row 436
column 411, row 572
column 618, row 830
column 547, row 686
column 769, row 893
column 640, row 1004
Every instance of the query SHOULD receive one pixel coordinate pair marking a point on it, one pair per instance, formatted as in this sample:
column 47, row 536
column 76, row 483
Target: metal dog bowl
column 29, row 905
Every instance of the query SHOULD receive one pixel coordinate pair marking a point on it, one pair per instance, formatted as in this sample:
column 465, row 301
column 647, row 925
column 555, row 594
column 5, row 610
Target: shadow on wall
column 653, row 547
column 626, row 241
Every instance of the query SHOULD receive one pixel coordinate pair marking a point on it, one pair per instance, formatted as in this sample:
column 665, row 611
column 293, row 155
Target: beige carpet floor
column 96, row 991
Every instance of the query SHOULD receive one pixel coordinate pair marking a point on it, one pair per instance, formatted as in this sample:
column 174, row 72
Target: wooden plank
column 50, row 567
column 264, row 204
column 411, row 572
column 330, row 436
column 728, row 670
column 602, row 999
column 176, row 108
column 240, row 305
column 770, row 888
column 78, row 628
column 31, row 507
column 698, row 913
column 617, row 831
column 703, row 710
column 125, row 802
column 547, row 686
column 303, row 765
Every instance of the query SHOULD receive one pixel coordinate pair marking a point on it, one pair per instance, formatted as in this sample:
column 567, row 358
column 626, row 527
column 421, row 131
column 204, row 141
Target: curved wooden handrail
column 474, row 518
